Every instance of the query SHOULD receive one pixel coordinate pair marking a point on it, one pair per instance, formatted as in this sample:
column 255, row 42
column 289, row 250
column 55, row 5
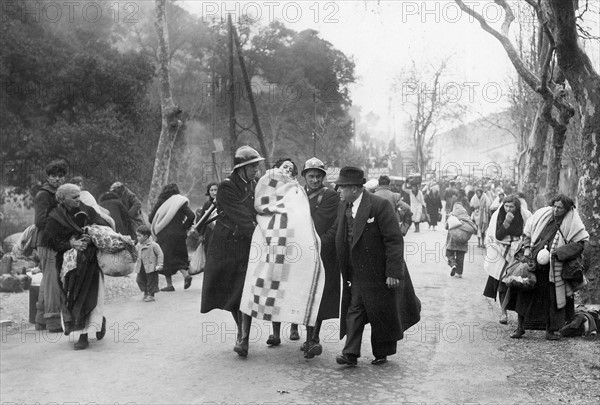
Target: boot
column 82, row 343
column 520, row 331
column 241, row 348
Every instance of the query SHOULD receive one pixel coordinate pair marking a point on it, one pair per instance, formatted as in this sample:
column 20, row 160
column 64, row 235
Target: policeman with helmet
column 323, row 203
column 229, row 249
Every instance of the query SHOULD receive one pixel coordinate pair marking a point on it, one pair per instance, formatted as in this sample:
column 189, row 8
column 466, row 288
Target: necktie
column 349, row 223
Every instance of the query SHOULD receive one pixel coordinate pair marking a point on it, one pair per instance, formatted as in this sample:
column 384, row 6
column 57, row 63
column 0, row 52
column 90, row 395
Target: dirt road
column 166, row 352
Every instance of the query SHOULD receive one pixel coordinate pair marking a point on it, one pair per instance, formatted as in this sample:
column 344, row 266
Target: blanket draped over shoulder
column 573, row 230
column 166, row 212
column 500, row 252
column 285, row 277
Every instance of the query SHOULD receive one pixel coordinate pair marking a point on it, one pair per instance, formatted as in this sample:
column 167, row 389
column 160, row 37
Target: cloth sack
column 453, row 222
column 117, row 264
column 198, row 260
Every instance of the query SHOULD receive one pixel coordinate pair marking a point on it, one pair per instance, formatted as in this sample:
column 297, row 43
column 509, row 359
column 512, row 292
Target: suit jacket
column 375, row 253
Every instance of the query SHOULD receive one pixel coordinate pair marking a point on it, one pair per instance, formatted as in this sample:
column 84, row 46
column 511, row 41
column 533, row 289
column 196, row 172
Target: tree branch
column 522, row 70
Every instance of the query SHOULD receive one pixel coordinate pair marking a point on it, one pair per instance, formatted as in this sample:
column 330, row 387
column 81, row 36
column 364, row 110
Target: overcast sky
column 383, row 37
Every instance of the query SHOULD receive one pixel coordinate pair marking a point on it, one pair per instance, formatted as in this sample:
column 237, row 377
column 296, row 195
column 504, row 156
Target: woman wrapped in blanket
column 559, row 229
column 502, row 241
column 82, row 287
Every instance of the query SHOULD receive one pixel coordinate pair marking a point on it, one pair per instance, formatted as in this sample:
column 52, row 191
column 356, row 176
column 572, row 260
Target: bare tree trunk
column 585, row 82
column 559, row 135
column 535, row 154
column 169, row 111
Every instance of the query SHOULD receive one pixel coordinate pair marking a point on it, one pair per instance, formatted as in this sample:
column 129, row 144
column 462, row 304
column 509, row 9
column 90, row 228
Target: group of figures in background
column 357, row 233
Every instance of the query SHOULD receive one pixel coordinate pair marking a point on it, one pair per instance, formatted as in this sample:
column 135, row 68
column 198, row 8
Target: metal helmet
column 245, row 155
column 314, row 163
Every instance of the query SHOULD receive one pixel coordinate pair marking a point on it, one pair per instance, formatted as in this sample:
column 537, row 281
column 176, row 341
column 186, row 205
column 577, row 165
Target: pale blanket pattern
column 573, row 229
column 285, row 277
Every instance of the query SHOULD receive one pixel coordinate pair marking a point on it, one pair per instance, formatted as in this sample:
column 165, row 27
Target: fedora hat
column 351, row 176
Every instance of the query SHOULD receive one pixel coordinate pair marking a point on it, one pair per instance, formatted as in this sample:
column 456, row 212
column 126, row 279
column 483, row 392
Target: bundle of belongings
column 116, row 253
column 10, row 279
column 586, row 323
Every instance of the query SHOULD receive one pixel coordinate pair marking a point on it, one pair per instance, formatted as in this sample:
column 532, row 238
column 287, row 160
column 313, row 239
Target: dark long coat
column 376, row 252
column 323, row 209
column 172, row 239
column 229, row 248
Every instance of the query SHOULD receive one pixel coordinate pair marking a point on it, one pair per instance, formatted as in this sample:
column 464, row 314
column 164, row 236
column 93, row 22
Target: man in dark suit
column 377, row 287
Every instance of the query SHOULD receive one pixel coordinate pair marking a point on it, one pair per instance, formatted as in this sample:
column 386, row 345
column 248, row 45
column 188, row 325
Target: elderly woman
column 501, row 241
column 559, row 229
column 171, row 217
column 481, row 214
column 83, row 286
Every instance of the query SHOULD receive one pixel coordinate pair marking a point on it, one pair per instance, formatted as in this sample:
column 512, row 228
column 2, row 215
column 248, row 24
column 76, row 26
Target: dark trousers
column 148, row 282
column 456, row 257
column 356, row 319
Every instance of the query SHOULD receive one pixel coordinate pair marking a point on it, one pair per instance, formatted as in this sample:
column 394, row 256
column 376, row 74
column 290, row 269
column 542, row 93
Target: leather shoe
column 504, row 319
column 552, row 336
column 273, row 341
column 187, row 283
column 346, row 359
column 518, row 333
column 379, row 361
column 294, row 335
column 312, row 349
column 82, row 343
column 171, row 288
column 241, row 348
column 100, row 335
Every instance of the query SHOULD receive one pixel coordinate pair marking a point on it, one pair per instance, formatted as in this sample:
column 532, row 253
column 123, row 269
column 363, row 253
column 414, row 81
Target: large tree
column 169, row 111
column 585, row 83
column 559, row 36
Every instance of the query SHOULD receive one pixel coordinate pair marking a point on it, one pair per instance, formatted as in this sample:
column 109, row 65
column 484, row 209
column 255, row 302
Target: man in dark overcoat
column 323, row 203
column 377, row 286
column 229, row 249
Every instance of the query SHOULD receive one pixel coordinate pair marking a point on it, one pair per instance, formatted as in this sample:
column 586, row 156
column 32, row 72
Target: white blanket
column 285, row 277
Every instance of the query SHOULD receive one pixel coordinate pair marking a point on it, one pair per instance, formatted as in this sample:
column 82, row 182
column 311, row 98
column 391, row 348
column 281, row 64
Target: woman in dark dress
column 559, row 229
column 434, row 206
column 508, row 223
column 112, row 202
column 171, row 217
column 206, row 231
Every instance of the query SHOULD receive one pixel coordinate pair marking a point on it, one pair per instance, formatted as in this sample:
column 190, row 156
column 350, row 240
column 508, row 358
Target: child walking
column 149, row 263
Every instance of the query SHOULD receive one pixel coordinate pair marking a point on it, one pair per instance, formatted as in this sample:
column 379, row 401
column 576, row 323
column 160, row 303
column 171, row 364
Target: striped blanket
column 573, row 230
column 285, row 276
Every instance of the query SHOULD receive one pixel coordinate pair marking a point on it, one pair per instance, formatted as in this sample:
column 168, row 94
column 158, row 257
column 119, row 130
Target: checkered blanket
column 285, row 277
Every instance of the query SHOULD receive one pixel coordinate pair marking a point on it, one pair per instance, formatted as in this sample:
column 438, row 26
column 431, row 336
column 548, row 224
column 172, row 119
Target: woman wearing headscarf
column 502, row 241
column 171, row 217
column 481, row 214
column 83, row 286
column 558, row 229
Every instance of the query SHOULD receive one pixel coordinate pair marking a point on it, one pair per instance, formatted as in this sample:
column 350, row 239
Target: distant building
column 481, row 148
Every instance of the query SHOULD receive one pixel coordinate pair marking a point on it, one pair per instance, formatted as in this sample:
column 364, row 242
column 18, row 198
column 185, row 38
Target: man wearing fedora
column 377, row 287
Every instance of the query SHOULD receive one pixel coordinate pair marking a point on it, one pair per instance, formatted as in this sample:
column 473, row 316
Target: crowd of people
column 358, row 276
